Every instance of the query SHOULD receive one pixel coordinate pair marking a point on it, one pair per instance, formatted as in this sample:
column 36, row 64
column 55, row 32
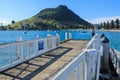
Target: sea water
column 11, row 36
column 114, row 38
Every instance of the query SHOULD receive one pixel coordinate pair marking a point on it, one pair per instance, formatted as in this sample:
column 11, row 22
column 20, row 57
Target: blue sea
column 11, row 36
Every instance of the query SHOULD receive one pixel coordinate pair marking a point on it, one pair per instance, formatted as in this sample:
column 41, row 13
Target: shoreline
column 109, row 30
column 70, row 30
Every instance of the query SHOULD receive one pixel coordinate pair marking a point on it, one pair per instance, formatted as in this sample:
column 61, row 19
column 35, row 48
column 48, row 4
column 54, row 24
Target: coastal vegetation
column 114, row 24
column 60, row 17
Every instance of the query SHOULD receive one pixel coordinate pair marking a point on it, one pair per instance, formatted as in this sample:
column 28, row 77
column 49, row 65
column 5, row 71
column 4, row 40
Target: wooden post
column 105, row 53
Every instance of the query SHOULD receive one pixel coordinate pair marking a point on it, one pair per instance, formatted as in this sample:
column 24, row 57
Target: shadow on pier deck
column 46, row 65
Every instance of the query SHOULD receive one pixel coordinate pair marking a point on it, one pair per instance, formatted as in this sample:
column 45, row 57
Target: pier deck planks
column 46, row 65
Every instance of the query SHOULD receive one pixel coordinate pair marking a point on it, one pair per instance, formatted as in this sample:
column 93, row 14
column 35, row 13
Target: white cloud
column 4, row 22
column 103, row 19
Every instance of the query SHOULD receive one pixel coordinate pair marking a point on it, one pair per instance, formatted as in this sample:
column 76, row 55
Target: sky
column 94, row 11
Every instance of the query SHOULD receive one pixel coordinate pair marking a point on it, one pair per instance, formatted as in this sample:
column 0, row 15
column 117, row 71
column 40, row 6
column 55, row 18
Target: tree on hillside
column 12, row 21
column 117, row 23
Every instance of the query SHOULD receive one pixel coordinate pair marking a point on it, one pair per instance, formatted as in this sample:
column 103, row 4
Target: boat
column 25, row 32
column 84, row 31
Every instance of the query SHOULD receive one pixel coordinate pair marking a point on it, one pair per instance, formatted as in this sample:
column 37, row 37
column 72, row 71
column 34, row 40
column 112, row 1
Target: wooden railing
column 15, row 53
column 86, row 66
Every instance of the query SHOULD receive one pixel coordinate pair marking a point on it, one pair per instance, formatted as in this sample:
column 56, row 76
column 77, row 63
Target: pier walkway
column 46, row 65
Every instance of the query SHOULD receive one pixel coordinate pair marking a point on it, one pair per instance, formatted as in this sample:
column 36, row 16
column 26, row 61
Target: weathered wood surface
column 46, row 65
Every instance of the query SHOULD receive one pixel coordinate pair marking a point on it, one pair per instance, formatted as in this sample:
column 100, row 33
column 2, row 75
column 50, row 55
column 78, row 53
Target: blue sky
column 91, row 10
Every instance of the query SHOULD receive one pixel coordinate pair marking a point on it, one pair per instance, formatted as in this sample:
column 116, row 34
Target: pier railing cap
column 104, row 40
column 102, row 35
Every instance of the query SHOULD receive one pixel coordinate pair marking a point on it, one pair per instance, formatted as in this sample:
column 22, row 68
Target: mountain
column 51, row 18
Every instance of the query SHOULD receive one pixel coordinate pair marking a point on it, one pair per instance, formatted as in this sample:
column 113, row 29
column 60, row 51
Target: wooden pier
column 46, row 65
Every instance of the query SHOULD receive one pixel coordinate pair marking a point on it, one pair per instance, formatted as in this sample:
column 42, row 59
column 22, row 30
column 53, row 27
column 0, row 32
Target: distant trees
column 110, row 25
column 117, row 23
column 1, row 24
column 107, row 25
column 104, row 25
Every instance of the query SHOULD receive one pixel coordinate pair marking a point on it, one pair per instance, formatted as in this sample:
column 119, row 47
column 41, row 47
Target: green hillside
column 51, row 18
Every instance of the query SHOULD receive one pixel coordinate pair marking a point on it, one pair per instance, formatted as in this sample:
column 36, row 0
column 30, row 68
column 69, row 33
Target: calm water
column 11, row 36
column 114, row 38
